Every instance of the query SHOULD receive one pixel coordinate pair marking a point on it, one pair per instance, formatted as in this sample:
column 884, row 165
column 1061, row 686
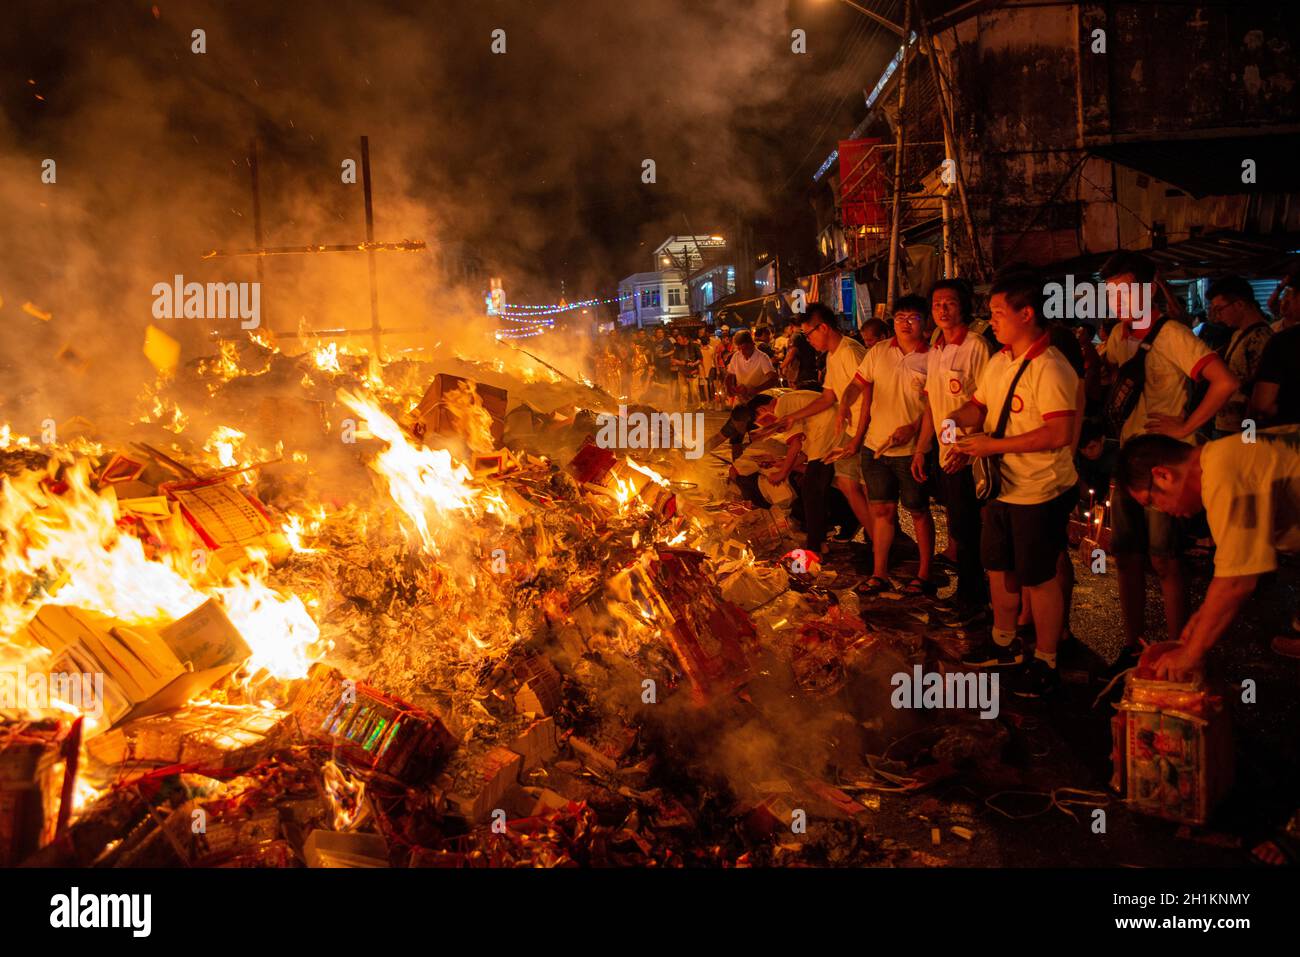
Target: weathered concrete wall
column 1182, row 67
column 1034, row 93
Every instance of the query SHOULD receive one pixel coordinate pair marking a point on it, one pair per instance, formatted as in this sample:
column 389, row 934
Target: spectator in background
column 1232, row 303
column 1095, row 461
column 686, row 360
column 763, row 340
column 642, row 367
column 872, row 332
column 662, row 352
column 1176, row 360
column 800, row 364
column 708, row 372
column 1289, row 287
column 749, row 371
column 721, row 357
column 1275, row 400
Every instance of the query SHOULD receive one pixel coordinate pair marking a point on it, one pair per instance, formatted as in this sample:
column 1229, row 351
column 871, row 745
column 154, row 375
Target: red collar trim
column 920, row 346
column 945, row 341
column 1037, row 349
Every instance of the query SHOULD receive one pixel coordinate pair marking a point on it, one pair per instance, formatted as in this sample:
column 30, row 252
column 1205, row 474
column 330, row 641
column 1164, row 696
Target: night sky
column 533, row 157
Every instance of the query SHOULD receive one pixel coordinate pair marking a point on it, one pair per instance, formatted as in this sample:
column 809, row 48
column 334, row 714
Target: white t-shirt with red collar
column 949, row 372
column 1047, row 390
column 896, row 394
column 1176, row 360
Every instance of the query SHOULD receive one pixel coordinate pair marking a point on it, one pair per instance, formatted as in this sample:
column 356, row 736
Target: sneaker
column 989, row 654
column 1037, row 679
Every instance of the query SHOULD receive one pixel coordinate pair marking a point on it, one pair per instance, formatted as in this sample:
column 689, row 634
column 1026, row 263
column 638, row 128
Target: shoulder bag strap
column 1005, row 414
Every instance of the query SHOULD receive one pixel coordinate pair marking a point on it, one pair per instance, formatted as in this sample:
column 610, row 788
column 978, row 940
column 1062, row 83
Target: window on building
column 675, row 296
column 645, row 298
column 654, row 298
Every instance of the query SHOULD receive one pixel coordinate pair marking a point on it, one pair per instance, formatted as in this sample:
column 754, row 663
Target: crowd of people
column 1016, row 425
column 694, row 368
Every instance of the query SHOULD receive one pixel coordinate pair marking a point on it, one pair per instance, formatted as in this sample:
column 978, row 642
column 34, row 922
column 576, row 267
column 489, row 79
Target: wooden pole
column 899, row 141
column 376, row 333
column 951, row 147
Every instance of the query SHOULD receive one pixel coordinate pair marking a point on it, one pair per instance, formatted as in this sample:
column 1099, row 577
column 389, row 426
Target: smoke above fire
column 531, row 159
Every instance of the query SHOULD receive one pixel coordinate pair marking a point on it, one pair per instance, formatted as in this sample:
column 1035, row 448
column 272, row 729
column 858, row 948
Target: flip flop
column 918, row 587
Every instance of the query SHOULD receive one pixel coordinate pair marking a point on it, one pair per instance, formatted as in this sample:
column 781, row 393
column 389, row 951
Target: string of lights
column 520, row 310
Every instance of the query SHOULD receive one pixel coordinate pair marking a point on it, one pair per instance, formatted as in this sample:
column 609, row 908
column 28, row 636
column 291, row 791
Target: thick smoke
column 520, row 156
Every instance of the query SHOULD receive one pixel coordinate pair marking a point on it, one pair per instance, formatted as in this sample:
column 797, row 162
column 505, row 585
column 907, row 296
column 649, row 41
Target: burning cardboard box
column 444, row 410
column 137, row 670
column 370, row 730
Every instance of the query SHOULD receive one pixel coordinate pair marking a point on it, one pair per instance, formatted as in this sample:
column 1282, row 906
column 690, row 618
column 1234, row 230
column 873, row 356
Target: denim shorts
column 889, row 479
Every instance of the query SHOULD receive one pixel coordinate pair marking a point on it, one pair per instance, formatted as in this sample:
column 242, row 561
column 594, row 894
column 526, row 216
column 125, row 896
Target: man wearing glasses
column 891, row 404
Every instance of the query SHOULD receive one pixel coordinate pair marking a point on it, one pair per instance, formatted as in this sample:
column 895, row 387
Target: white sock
column 1002, row 637
column 1044, row 656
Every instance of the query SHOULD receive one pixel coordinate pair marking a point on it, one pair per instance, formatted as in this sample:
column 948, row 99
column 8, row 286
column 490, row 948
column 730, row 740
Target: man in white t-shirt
column 949, row 373
column 1025, row 528
column 843, row 356
column 892, row 406
column 1251, row 495
column 1176, row 360
column 749, row 370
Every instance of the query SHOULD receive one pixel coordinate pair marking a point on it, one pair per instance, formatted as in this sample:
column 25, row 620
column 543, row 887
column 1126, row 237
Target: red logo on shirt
column 954, row 386
column 1017, row 403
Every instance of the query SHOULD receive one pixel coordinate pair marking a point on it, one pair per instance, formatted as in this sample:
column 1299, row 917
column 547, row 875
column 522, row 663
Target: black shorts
column 889, row 479
column 1027, row 539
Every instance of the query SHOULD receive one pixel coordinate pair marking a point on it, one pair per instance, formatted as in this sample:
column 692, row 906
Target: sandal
column 873, row 586
column 919, row 587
